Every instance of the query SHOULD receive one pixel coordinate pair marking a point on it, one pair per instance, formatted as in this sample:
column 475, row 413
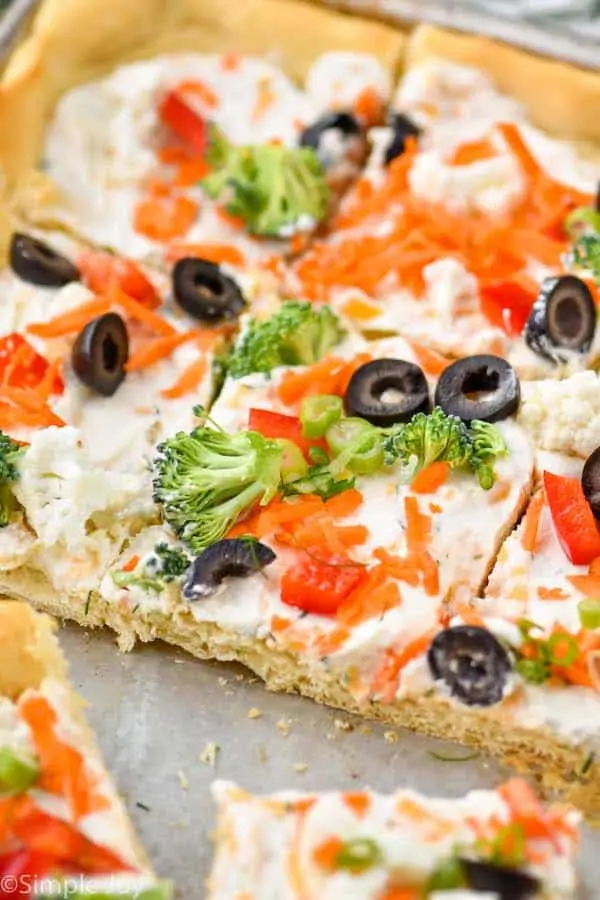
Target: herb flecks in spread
column 276, row 190
column 163, row 566
column 10, row 453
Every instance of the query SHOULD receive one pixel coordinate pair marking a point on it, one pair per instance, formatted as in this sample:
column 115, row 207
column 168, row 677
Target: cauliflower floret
column 563, row 416
column 62, row 491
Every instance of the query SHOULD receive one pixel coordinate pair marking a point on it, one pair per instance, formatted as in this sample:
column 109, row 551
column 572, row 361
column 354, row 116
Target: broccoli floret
column 432, row 437
column 276, row 190
column 165, row 564
column 206, row 480
column 586, row 254
column 297, row 335
column 10, row 453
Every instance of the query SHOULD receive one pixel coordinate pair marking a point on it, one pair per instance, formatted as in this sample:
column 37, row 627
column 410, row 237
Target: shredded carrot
column 329, row 376
column 64, row 770
column 469, row 615
column 163, row 218
column 141, row 313
column 326, row 854
column 189, row 379
column 199, row 89
column 387, row 677
column 370, row 107
column 586, row 584
column 190, row 171
column 265, row 99
column 158, row 349
column 344, row 504
column 362, row 310
column 430, row 360
column 532, row 522
column 398, row 567
column 373, row 597
column 216, row 253
column 545, row 593
column 230, row 62
column 235, row 222
column 358, row 802
column 418, row 525
column 429, row 479
column 401, row 893
column 71, row 321
column 525, row 807
column 472, row 151
column 514, row 140
column 131, row 564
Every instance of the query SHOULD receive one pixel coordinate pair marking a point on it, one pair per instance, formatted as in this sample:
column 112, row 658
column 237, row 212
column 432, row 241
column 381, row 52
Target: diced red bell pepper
column 30, row 370
column 507, row 305
column 183, row 121
column 573, row 519
column 319, row 584
column 101, row 270
column 277, row 425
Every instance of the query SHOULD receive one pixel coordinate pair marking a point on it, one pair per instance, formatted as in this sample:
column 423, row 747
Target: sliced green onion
column 17, row 773
column 317, row 414
column 358, row 855
column 442, row 757
column 534, row 671
column 508, row 846
column 448, row 876
column 589, row 612
column 293, row 463
column 346, row 432
column 562, row 649
column 580, row 218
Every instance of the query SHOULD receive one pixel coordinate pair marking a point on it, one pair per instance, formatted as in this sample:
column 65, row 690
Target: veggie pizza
column 302, row 375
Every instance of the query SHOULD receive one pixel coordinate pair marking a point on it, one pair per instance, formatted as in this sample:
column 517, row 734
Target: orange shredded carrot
column 401, row 893
column 525, row 807
column 430, row 360
column 373, row 597
column 514, row 140
column 199, row 89
column 586, row 584
column 141, row 313
column 359, row 802
column 163, row 218
column 352, row 535
column 469, row 615
column 230, row 62
column 154, row 351
column 230, row 219
column 418, row 525
column 63, row 767
column 265, row 98
column 362, row 310
column 344, row 504
column 398, row 567
column 429, row 479
column 429, row 570
column 386, row 680
column 71, row 321
column 189, row 379
column 472, row 151
column 532, row 522
column 329, row 376
column 131, row 564
column 216, row 253
column 370, row 107
column 545, row 593
column 190, row 172
column 326, row 854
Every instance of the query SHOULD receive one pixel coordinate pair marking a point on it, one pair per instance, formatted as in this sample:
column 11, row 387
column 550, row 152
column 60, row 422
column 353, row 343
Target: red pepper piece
column 507, row 305
column 183, row 121
column 277, row 425
column 319, row 584
column 101, row 271
column 573, row 519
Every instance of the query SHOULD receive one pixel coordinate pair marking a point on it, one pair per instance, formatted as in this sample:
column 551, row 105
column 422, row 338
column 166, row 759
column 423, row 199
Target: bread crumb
column 343, row 725
column 390, row 737
column 239, row 676
column 284, row 726
column 222, row 681
column 254, row 713
column 183, row 780
column 262, row 753
column 300, row 768
column 209, row 754
column 366, row 730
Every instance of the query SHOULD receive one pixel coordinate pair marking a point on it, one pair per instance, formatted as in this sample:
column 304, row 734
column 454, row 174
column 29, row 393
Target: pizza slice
column 468, row 231
column 402, row 846
column 217, row 156
column 61, row 816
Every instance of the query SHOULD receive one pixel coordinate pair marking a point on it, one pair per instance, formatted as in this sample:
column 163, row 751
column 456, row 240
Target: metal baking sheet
column 154, row 711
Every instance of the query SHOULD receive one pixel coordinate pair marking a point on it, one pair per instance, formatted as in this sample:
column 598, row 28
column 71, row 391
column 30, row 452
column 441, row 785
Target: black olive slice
column 471, row 662
column 205, row 292
column 37, row 263
column 506, row 884
column 563, row 318
column 590, row 481
column 479, row 387
column 349, row 132
column 386, row 391
column 100, row 352
column 229, row 558
column 402, row 127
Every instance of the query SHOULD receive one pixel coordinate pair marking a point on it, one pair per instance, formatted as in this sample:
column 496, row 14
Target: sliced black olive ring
column 471, row 662
column 563, row 318
column 229, row 558
column 386, row 391
column 100, row 352
column 402, row 127
column 590, row 481
column 345, row 124
column 37, row 263
column 479, row 387
column 205, row 292
column 505, row 883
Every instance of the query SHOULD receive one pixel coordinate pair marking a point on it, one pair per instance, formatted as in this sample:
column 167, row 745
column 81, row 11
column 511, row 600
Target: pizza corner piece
column 62, row 818
column 403, row 846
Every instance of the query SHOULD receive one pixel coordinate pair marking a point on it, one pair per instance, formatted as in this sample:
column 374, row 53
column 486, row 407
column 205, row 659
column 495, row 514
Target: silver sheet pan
column 155, row 710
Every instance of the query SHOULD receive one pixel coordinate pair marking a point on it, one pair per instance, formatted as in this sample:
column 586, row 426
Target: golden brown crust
column 560, row 98
column 72, row 41
column 541, row 753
